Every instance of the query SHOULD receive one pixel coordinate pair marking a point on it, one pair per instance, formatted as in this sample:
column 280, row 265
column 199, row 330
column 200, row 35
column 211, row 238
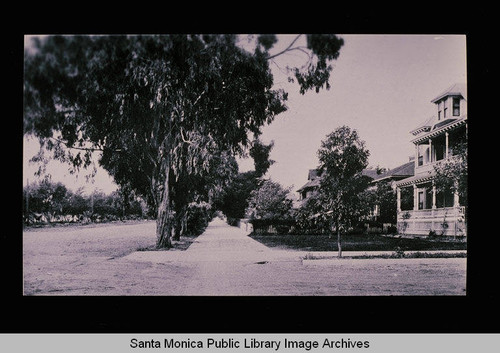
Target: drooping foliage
column 158, row 108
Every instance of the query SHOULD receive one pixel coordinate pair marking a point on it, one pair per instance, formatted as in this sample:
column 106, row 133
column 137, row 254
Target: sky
column 381, row 86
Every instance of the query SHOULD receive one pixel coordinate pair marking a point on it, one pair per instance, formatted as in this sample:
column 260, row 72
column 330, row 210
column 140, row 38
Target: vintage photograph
column 245, row 165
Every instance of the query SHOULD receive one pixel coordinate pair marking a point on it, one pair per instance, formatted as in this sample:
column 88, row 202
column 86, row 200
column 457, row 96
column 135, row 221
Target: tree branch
column 184, row 139
column 92, row 149
column 285, row 50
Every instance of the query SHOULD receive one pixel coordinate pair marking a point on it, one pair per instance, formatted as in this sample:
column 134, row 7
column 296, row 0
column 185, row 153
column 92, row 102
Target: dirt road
column 102, row 260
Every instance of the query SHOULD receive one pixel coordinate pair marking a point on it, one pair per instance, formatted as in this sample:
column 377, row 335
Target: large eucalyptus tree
column 158, row 107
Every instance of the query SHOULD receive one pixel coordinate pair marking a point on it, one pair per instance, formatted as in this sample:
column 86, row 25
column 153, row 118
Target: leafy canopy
column 343, row 157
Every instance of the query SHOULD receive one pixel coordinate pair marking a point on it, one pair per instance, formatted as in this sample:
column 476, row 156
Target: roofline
column 447, row 95
column 415, row 179
column 452, row 125
column 454, row 90
column 391, row 176
column 420, row 129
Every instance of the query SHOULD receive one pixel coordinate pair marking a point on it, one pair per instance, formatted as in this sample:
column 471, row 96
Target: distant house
column 420, row 208
column 312, row 185
column 391, row 176
column 314, row 177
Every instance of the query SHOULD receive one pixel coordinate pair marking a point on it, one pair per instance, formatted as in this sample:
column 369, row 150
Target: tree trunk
column 339, row 242
column 164, row 224
column 177, row 225
column 164, row 219
column 339, row 239
column 184, row 224
column 180, row 222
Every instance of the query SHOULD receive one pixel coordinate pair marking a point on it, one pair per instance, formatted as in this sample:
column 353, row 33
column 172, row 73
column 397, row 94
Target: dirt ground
column 100, row 260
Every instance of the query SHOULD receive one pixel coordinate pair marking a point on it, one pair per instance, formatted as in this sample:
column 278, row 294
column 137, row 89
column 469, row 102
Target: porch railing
column 449, row 221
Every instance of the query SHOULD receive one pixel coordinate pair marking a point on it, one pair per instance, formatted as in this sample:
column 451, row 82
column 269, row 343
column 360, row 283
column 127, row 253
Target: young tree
column 158, row 107
column 343, row 157
column 452, row 174
column 45, row 197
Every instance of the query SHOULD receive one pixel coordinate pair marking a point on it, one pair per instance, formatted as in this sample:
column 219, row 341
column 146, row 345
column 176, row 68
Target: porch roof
column 416, row 179
column 438, row 129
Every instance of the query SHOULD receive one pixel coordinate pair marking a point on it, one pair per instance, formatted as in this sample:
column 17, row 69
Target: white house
column 420, row 208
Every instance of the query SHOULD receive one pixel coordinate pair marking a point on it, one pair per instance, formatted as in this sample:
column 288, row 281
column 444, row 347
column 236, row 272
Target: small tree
column 343, row 157
column 45, row 197
column 269, row 201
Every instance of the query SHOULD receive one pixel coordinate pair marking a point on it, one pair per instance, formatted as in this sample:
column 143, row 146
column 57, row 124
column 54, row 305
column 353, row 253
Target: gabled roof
column 314, row 178
column 310, row 184
column 313, row 174
column 372, row 173
column 402, row 171
column 457, row 89
column 432, row 123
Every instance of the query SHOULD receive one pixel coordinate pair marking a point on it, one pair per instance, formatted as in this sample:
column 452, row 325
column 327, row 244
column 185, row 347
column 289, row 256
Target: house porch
column 447, row 221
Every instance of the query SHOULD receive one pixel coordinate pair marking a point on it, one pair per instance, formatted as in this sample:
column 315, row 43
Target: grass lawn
column 356, row 242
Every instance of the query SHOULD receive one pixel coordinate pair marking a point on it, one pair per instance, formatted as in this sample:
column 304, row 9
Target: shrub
column 198, row 217
column 234, row 222
column 272, row 226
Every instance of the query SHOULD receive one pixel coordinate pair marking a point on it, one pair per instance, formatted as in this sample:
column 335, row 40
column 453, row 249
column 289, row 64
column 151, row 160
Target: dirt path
column 103, row 260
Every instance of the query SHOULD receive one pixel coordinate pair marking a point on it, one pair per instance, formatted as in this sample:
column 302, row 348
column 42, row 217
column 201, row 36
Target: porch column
column 416, row 155
column 430, row 150
column 398, row 193
column 415, row 197
column 433, row 195
column 456, row 199
column 446, row 150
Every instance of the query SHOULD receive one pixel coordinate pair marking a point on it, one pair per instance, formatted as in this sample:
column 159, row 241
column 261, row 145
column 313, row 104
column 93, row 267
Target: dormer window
column 456, row 106
column 456, row 94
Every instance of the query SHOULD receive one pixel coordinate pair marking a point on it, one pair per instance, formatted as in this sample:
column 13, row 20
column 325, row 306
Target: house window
column 456, row 106
column 444, row 198
column 439, row 148
column 406, row 199
column 444, row 108
column 440, row 108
